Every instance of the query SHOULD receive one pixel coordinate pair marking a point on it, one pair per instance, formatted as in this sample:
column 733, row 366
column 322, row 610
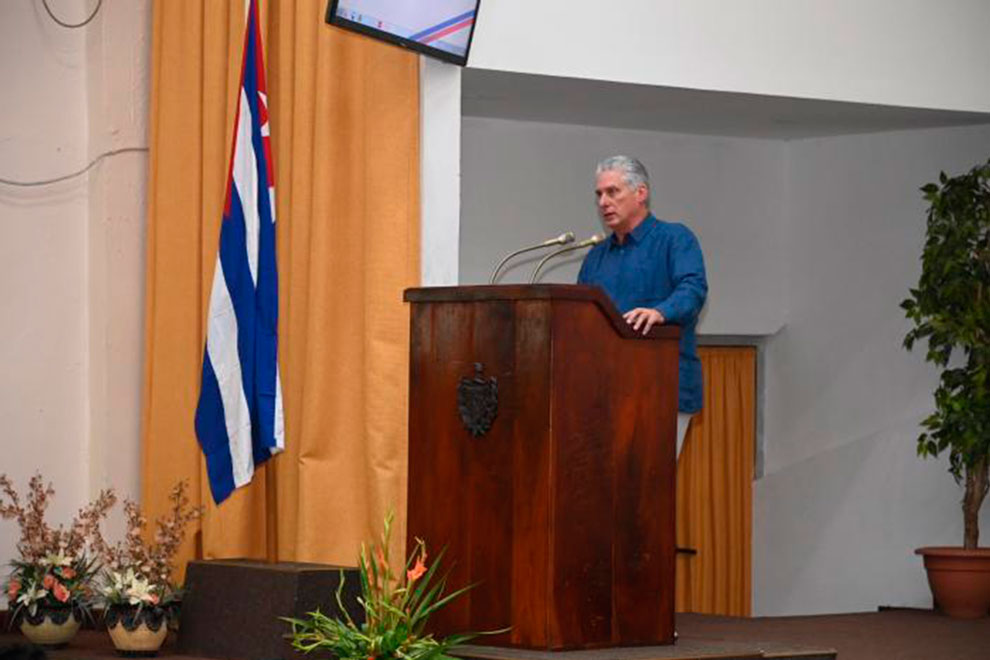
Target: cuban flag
column 239, row 419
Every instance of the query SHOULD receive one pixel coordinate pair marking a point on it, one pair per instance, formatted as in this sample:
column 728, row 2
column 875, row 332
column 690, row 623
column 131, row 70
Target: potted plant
column 49, row 590
column 396, row 610
column 950, row 307
column 138, row 593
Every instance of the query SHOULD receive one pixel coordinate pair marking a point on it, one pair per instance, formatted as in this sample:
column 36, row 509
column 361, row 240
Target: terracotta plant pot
column 960, row 580
column 136, row 633
column 50, row 627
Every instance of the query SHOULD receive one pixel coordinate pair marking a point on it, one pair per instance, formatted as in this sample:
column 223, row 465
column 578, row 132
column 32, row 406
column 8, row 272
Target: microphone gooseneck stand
column 586, row 243
column 563, row 239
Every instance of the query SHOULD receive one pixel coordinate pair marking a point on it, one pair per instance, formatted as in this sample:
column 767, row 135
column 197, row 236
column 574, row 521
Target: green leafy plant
column 396, row 611
column 950, row 308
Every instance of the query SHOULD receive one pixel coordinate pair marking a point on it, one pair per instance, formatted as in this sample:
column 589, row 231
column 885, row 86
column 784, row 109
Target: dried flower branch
column 139, row 572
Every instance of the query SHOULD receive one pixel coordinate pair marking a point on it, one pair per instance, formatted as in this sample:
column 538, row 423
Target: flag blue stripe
column 211, row 429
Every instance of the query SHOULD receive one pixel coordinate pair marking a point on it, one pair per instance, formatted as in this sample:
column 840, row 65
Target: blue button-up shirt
column 660, row 266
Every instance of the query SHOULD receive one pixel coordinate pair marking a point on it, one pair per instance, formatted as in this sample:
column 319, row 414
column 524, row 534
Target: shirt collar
column 637, row 235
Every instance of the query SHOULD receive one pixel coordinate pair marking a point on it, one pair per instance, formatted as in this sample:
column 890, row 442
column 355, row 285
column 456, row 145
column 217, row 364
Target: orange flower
column 68, row 573
column 12, row 589
column 49, row 581
column 61, row 593
column 416, row 571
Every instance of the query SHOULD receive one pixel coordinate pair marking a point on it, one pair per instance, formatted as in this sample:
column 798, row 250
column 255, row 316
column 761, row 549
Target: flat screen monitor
column 439, row 28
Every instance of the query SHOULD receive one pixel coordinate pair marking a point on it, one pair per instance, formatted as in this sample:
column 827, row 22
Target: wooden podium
column 556, row 497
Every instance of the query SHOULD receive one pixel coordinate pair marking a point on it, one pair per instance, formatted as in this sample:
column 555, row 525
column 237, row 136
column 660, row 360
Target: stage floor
column 889, row 634
column 901, row 634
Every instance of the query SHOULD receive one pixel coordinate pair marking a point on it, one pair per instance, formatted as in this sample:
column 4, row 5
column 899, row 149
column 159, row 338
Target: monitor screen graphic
column 440, row 28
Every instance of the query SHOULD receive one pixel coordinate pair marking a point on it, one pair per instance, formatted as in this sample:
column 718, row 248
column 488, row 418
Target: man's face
column 621, row 207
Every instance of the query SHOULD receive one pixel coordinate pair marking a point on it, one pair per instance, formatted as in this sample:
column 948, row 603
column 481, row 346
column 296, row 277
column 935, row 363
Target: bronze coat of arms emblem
column 477, row 402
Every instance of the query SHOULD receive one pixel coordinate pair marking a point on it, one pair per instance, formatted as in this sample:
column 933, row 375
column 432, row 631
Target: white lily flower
column 117, row 583
column 140, row 592
column 59, row 558
column 121, row 580
column 31, row 596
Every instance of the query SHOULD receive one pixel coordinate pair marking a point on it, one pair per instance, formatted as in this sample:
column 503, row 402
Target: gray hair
column 633, row 172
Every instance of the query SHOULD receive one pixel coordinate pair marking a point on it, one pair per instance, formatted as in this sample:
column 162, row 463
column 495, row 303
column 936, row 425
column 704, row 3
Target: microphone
column 586, row 243
column 563, row 239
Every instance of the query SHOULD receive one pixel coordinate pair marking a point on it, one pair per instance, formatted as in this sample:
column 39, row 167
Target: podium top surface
column 510, row 292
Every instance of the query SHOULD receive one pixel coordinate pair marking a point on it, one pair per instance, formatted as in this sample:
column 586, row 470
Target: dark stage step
column 686, row 648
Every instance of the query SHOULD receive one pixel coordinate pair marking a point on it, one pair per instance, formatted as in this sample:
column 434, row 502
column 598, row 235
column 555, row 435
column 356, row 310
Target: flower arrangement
column 137, row 574
column 396, row 609
column 56, row 567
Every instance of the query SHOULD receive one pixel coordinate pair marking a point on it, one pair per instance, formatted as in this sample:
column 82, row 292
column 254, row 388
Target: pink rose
column 61, row 593
column 49, row 581
column 12, row 589
column 68, row 573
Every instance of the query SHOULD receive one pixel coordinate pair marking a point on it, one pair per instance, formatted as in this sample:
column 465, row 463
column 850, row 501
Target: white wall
column 119, row 87
column 71, row 253
column 845, row 500
column 916, row 53
column 440, row 173
column 524, row 182
column 43, row 408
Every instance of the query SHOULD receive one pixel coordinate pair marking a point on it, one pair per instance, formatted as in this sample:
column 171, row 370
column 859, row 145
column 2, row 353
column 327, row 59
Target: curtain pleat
column 714, row 488
column 345, row 123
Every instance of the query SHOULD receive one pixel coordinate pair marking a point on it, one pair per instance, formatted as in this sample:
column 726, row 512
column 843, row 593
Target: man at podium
column 652, row 270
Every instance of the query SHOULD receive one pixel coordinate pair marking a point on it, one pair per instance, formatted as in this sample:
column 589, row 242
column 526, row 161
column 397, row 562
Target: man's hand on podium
column 643, row 316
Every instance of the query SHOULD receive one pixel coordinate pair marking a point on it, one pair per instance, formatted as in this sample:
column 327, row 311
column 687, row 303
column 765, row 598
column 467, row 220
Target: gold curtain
column 345, row 124
column 714, row 488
